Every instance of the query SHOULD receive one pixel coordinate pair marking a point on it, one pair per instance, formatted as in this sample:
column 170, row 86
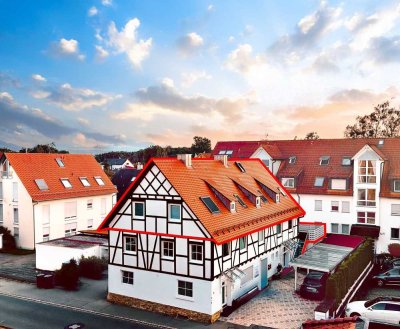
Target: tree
column 201, row 145
column 43, row 148
column 312, row 135
column 6, row 150
column 8, row 239
column 383, row 122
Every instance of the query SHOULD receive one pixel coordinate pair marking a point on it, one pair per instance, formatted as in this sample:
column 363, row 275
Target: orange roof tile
column 308, row 153
column 191, row 184
column 338, row 323
column 31, row 166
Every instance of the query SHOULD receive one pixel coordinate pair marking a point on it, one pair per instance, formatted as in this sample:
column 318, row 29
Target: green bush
column 68, row 275
column 8, row 239
column 91, row 267
column 348, row 271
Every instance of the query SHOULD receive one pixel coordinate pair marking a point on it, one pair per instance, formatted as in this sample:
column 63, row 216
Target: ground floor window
column 185, row 288
column 70, row 229
column 127, row 277
column 334, row 228
column 395, row 233
column 345, row 228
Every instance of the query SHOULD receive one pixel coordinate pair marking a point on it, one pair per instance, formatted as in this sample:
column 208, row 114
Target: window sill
column 130, row 252
column 186, row 298
column 174, row 220
column 167, row 258
column 199, row 262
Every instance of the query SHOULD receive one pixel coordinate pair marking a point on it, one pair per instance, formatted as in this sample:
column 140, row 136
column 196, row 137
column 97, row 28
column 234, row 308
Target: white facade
column 340, row 212
column 32, row 222
column 178, row 264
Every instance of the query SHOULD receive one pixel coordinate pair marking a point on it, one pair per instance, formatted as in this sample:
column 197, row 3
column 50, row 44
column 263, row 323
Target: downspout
column 34, row 226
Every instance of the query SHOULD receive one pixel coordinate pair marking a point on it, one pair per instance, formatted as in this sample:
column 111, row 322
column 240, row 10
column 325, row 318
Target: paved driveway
column 277, row 306
column 18, row 267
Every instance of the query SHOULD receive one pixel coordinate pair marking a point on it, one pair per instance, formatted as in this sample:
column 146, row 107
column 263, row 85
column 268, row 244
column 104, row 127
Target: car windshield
column 311, row 281
column 368, row 303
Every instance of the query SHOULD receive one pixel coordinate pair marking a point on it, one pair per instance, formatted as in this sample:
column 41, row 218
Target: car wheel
column 380, row 283
column 354, row 314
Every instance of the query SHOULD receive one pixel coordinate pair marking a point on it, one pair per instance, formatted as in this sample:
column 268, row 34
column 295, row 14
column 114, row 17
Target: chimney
column 186, row 159
column 222, row 158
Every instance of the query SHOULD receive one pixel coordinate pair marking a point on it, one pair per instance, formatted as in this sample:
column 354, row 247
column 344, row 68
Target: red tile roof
column 308, row 153
column 191, row 184
column 344, row 240
column 31, row 166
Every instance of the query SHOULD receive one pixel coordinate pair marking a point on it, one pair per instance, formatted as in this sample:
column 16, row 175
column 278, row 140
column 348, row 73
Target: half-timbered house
column 190, row 237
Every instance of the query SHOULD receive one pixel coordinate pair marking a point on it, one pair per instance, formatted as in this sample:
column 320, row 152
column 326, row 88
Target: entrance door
column 223, row 293
column 264, row 273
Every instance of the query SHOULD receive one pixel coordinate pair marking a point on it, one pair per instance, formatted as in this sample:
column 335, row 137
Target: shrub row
column 348, row 271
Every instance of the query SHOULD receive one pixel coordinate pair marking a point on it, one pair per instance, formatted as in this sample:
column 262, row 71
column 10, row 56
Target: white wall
column 148, row 285
column 51, row 258
column 387, row 222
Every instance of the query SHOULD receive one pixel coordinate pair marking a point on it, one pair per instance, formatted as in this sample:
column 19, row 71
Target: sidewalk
column 92, row 297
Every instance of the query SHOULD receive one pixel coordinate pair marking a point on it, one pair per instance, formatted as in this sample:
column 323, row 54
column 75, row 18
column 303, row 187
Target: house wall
column 25, row 210
column 387, row 221
column 51, row 258
column 57, row 224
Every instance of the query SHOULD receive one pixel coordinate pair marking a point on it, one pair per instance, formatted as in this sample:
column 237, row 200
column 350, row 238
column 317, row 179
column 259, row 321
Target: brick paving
column 18, row 267
column 278, row 306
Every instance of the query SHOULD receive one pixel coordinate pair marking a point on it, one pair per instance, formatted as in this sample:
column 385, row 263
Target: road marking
column 116, row 317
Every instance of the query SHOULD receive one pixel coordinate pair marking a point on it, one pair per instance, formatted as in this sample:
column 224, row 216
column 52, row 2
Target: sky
column 100, row 75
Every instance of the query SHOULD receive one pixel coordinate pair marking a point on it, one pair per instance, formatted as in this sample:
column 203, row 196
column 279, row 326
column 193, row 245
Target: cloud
column 385, row 50
column 308, row 33
column 92, row 11
column 101, row 53
column 324, row 64
column 188, row 79
column 366, row 28
column 38, row 77
column 67, row 48
column 107, row 3
column 190, row 43
column 242, row 59
column 20, row 118
column 8, row 81
column 83, row 121
column 126, row 41
column 73, row 99
column 166, row 98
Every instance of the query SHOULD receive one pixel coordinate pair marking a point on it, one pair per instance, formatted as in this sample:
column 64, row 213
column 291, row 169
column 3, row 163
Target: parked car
column 381, row 309
column 314, row 285
column 391, row 277
column 389, row 264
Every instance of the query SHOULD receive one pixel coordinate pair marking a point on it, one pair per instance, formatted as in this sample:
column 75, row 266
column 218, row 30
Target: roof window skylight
column 240, row 166
column 292, row 160
column 324, row 160
column 60, row 162
column 99, row 180
column 346, row 161
column 222, row 152
column 84, row 181
column 41, row 184
column 239, row 199
column 210, row 204
column 229, row 152
column 319, row 181
column 66, row 182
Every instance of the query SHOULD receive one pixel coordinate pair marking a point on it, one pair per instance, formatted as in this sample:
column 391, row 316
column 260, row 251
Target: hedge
column 348, row 271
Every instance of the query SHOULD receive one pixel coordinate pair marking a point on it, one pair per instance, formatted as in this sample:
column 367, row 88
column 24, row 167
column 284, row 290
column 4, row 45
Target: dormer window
column 258, row 202
column 346, row 161
column 41, row 184
column 60, row 162
column 229, row 152
column 319, row 181
column 222, row 152
column 66, row 182
column 84, row 181
column 324, row 160
column 233, row 206
column 239, row 199
column 277, row 198
column 396, row 185
column 292, row 160
column 288, row 182
column 263, row 198
column 99, row 181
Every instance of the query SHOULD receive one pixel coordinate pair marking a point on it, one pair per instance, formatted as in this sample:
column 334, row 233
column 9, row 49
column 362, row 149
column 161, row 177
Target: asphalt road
column 23, row 314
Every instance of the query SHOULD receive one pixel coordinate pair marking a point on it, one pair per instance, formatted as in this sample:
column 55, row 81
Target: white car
column 381, row 309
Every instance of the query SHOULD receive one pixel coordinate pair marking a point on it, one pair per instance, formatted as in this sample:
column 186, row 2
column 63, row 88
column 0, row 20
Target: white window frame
column 319, row 181
column 15, row 215
column 292, row 159
column 346, row 161
column 324, row 160
column 166, row 246
column 345, row 209
column 339, row 184
column 15, row 191
column 170, row 212
column 366, row 202
column 288, row 182
column 196, row 252
column 74, row 213
column 60, row 162
column 127, row 277
column 70, row 229
column 126, row 244
column 85, row 182
column 348, row 229
column 317, row 205
column 396, row 182
column 134, row 210
column 336, row 225
column 367, row 217
column 90, row 222
column 366, row 178
column 335, row 204
column 46, row 214
column 395, row 209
